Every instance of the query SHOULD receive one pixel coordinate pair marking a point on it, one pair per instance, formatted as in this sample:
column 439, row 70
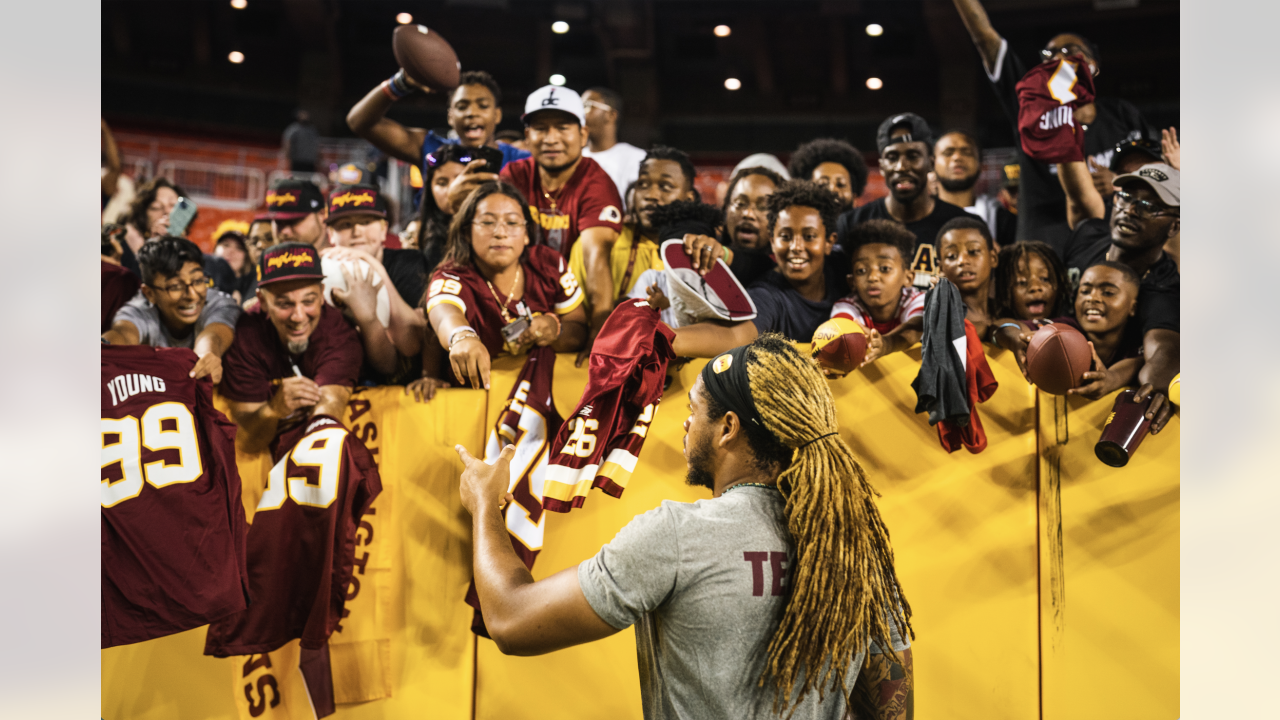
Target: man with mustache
column 906, row 157
column 1146, row 214
column 294, row 357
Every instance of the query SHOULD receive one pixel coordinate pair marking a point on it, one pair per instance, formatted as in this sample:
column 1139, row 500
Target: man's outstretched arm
column 985, row 37
column 522, row 616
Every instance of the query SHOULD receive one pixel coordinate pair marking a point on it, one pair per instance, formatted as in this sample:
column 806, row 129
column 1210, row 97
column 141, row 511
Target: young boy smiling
column 884, row 301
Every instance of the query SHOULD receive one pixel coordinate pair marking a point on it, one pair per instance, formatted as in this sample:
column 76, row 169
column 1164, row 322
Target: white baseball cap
column 555, row 97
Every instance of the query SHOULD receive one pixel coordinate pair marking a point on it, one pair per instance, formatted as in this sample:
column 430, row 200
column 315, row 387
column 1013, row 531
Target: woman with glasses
column 177, row 308
column 498, row 292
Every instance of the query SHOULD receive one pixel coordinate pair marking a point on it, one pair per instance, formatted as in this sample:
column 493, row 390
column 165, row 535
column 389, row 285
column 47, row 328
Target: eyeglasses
column 761, row 205
column 489, row 226
column 1141, row 208
column 178, row 290
column 1064, row 51
column 597, row 105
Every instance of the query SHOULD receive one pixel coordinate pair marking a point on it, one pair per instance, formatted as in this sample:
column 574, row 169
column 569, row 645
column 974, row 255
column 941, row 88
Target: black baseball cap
column 917, row 129
column 1146, row 146
column 352, row 200
column 289, row 261
column 292, row 199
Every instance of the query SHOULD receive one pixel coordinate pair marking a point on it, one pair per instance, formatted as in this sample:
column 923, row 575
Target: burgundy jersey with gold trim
column 599, row 445
column 302, row 543
column 173, row 527
column 1047, row 98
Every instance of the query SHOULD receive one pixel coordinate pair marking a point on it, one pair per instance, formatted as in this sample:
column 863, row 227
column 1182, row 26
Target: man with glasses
column 176, row 307
column 1107, row 121
column 1145, row 215
column 619, row 159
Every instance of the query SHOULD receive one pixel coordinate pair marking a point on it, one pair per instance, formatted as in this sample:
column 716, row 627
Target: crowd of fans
column 312, row 298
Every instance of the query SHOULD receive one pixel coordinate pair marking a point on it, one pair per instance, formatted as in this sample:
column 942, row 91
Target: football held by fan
column 883, row 302
column 497, row 292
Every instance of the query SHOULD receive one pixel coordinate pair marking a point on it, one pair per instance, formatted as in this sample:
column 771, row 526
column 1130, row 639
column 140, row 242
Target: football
column 426, row 56
column 1056, row 358
column 840, row 345
column 333, row 277
column 1175, row 389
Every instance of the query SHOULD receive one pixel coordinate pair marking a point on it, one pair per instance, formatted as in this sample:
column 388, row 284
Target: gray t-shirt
column 219, row 307
column 705, row 584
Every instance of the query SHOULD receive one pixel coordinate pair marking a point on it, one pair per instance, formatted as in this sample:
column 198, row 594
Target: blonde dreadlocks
column 844, row 579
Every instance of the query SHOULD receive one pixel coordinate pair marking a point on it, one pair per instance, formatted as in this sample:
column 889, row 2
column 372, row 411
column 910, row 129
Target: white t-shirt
column 621, row 162
column 985, row 207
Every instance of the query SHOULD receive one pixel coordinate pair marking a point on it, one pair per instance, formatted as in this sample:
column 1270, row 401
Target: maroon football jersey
column 118, row 287
column 302, row 544
column 528, row 420
column 173, row 527
column 589, row 199
column 256, row 357
column 549, row 287
column 599, row 444
column 1047, row 96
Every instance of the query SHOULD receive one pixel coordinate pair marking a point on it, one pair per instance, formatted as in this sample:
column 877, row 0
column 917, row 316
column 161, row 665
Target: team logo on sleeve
column 721, row 363
column 611, row 214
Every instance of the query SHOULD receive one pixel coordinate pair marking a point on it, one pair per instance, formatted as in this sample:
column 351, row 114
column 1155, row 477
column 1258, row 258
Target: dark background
column 803, row 63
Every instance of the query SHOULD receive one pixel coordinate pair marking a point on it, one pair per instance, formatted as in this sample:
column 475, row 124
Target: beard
column 700, row 474
column 959, row 184
column 297, row 347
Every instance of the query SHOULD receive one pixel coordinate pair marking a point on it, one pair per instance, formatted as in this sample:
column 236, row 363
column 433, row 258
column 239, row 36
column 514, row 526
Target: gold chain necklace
column 502, row 307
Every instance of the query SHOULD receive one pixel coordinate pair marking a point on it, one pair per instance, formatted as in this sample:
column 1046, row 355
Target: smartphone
column 181, row 217
column 492, row 158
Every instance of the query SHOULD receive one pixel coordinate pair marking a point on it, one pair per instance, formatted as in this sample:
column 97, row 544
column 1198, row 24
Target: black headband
column 726, row 380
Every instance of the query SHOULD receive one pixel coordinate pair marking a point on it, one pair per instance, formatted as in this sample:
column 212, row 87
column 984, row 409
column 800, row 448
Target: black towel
column 941, row 387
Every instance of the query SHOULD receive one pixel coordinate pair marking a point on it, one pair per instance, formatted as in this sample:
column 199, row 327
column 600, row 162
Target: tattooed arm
column 885, row 689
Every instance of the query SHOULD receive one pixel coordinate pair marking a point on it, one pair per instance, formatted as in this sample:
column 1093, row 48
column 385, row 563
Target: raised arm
column 110, row 161
column 368, row 120
column 1083, row 200
column 522, row 616
column 597, row 246
column 985, row 37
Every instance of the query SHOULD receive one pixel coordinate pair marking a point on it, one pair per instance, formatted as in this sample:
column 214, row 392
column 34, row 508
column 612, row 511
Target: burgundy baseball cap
column 715, row 296
column 289, row 261
column 290, row 199
column 349, row 200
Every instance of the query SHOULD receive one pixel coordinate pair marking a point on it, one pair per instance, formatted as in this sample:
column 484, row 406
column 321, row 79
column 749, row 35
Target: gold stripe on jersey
column 453, row 300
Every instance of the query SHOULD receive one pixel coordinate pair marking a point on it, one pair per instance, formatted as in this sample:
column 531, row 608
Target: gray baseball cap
column 1161, row 178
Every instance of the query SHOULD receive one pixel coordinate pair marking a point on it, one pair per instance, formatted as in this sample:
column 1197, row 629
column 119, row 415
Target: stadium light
column 559, row 27
column 557, row 79
column 722, row 31
column 875, row 30
column 236, row 57
column 732, row 83
column 239, row 4
column 404, row 18
column 875, row 83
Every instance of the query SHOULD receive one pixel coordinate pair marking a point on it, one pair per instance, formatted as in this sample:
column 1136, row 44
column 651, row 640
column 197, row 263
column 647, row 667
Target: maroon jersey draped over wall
column 173, row 527
column 301, row 544
column 599, row 444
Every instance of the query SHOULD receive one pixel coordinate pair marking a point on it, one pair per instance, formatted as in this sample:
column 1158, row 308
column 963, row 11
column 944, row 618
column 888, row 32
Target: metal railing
column 232, row 187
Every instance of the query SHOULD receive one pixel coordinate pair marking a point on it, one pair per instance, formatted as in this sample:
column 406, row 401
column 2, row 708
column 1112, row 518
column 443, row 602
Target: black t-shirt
column 1158, row 295
column 1042, row 205
column 408, row 272
column 751, row 265
column 780, row 308
column 925, row 229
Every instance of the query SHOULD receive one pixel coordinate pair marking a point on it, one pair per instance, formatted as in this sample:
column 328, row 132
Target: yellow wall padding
column 1039, row 577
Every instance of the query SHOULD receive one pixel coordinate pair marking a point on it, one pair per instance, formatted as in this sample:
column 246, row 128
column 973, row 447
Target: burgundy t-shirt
column 173, row 526
column 118, row 287
column 589, row 199
column 549, row 287
column 257, row 356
